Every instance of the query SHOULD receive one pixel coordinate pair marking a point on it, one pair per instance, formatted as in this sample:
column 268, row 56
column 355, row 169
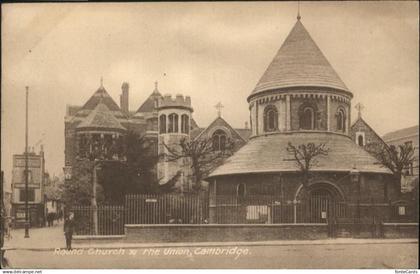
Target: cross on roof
column 219, row 107
column 359, row 108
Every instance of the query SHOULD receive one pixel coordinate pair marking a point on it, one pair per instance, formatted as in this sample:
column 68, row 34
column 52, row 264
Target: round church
column 300, row 101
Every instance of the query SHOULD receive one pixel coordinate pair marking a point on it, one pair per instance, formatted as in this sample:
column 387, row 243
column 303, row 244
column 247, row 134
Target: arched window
column 360, row 140
column 219, row 140
column 185, row 125
column 307, row 118
column 162, row 123
column 341, row 120
column 270, row 118
column 241, row 190
column 173, row 123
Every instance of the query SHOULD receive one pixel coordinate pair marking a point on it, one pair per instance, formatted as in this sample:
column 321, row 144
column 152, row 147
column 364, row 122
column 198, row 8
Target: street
column 401, row 255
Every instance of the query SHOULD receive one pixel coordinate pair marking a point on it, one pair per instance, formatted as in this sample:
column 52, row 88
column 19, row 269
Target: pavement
column 51, row 238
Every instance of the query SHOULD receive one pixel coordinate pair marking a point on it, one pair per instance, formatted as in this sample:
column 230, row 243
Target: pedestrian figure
column 68, row 229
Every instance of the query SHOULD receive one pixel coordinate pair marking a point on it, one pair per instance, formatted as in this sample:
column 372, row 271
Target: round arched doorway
column 321, row 202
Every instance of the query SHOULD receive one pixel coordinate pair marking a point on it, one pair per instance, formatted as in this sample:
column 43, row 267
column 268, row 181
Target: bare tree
column 305, row 156
column 395, row 158
column 201, row 154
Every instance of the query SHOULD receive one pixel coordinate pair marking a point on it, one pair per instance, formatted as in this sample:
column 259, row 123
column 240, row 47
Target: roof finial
column 219, row 107
column 359, row 108
column 102, row 82
column 298, row 14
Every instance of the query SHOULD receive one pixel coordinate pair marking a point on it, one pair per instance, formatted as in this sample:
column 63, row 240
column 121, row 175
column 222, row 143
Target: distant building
column 7, row 197
column 299, row 99
column 36, row 171
column 409, row 136
column 101, row 124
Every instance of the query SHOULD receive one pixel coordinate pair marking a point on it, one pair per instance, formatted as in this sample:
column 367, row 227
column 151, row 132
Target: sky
column 210, row 51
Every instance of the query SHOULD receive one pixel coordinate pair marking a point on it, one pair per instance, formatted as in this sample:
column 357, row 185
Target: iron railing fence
column 231, row 209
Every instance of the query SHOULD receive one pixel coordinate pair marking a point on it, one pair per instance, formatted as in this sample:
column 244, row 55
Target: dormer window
column 270, row 118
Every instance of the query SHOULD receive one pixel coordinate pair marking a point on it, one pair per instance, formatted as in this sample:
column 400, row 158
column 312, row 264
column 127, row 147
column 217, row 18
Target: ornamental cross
column 359, row 108
column 219, row 107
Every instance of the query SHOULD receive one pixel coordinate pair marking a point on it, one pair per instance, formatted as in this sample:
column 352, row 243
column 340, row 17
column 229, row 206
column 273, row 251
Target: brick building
column 101, row 124
column 300, row 99
column 36, row 189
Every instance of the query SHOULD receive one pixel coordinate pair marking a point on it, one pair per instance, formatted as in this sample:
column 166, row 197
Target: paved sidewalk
column 45, row 237
column 50, row 238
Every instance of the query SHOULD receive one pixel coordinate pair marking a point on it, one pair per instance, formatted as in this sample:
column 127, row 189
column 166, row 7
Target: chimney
column 246, row 125
column 124, row 97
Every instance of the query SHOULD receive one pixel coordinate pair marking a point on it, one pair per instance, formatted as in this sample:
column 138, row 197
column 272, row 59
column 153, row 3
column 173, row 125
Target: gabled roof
column 299, row 63
column 269, row 154
column 361, row 120
column 101, row 118
column 101, row 95
column 405, row 132
column 149, row 104
column 220, row 122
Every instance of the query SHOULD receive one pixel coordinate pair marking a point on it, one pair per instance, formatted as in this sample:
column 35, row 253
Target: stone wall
column 217, row 232
column 401, row 230
column 373, row 186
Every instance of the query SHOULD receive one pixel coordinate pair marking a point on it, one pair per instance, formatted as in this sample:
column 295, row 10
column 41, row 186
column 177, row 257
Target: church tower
column 174, row 126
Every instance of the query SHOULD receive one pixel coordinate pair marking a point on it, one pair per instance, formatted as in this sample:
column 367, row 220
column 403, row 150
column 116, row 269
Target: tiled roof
column 101, row 118
column 244, row 132
column 195, row 132
column 269, row 154
column 149, row 104
column 219, row 122
column 299, row 62
column 101, row 95
column 405, row 132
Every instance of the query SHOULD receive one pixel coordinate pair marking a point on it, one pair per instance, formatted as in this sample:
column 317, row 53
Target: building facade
column 299, row 99
column 36, row 173
column 101, row 125
column 407, row 136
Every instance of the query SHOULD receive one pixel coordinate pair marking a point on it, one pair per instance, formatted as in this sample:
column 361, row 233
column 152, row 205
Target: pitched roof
column 244, row 132
column 405, row 132
column 362, row 121
column 220, row 122
column 269, row 154
column 101, row 95
column 149, row 104
column 299, row 62
column 101, row 118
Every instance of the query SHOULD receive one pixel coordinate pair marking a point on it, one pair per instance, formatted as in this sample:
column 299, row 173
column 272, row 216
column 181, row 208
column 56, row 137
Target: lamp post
column 355, row 177
column 94, row 203
column 26, row 169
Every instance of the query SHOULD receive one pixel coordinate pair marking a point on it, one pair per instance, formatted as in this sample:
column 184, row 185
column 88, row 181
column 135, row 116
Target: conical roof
column 101, row 95
column 299, row 63
column 100, row 118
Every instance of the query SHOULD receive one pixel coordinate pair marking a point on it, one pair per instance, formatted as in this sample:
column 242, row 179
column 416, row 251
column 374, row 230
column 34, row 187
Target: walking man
column 68, row 229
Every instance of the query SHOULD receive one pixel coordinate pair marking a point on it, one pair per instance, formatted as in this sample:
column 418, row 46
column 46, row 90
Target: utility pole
column 26, row 169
